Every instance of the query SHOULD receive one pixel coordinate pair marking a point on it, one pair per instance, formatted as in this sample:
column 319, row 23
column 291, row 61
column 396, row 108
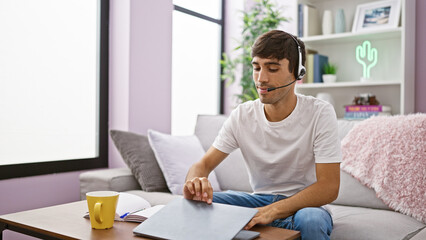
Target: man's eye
column 273, row 70
column 256, row 69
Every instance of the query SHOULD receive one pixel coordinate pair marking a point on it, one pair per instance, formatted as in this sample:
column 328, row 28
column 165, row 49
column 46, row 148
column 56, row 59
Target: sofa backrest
column 232, row 172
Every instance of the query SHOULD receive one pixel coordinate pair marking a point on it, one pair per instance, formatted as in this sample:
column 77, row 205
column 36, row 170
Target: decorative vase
column 327, row 22
column 339, row 21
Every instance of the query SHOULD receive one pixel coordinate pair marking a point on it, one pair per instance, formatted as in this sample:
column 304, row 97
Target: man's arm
column 197, row 186
column 323, row 191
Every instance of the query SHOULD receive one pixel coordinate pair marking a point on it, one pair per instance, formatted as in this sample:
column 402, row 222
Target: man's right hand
column 199, row 189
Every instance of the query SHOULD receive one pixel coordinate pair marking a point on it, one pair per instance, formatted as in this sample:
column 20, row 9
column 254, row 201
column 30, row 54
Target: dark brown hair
column 279, row 45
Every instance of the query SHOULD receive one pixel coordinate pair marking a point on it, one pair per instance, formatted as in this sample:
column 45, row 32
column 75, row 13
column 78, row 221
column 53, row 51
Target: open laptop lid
column 184, row 219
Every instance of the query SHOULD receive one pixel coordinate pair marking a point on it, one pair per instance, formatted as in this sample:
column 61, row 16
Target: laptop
column 184, row 219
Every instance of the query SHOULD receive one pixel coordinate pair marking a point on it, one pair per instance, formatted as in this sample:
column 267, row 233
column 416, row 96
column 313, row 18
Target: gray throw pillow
column 139, row 157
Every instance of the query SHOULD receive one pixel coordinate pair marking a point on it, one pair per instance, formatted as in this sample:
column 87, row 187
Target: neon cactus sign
column 367, row 57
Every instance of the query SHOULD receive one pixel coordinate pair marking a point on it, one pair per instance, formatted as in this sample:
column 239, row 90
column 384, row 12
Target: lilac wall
column 118, row 73
column 140, row 68
column 150, row 65
column 35, row 192
column 420, row 86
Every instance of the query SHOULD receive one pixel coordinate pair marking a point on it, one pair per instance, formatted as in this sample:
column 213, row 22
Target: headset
column 301, row 70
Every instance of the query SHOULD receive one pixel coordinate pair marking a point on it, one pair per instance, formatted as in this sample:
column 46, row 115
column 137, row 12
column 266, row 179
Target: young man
column 289, row 142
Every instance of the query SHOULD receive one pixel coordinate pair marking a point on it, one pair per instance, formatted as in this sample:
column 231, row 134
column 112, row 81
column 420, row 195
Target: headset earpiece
column 301, row 70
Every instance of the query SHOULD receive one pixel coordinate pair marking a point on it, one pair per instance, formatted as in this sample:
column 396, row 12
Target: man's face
column 268, row 73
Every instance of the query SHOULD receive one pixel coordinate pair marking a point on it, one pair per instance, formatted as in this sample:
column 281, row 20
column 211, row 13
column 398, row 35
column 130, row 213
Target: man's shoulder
column 247, row 112
column 312, row 109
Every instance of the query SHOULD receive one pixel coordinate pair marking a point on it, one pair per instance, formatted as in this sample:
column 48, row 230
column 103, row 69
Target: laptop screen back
column 184, row 219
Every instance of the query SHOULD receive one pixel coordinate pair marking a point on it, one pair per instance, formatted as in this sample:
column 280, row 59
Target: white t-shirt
column 281, row 156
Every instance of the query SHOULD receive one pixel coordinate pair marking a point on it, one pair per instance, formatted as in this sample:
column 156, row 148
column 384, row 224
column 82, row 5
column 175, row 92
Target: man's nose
column 262, row 76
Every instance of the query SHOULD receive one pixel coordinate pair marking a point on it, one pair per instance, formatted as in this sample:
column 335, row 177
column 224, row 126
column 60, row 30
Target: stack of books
column 357, row 112
column 314, row 67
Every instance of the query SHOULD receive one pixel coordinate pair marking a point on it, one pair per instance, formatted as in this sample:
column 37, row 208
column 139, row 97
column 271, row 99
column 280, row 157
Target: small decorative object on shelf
column 367, row 57
column 329, row 71
column 339, row 21
column 377, row 15
column 365, row 106
column 327, row 23
column 365, row 99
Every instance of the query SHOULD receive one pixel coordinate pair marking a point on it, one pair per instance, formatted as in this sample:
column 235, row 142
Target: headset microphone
column 273, row 88
column 301, row 70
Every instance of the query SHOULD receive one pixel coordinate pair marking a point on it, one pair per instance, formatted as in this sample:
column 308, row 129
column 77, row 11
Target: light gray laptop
column 184, row 219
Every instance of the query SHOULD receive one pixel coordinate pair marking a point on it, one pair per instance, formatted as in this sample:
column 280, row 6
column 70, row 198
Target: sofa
column 357, row 212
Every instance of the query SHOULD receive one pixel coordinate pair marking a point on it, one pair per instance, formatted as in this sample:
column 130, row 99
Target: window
column 53, row 86
column 197, row 47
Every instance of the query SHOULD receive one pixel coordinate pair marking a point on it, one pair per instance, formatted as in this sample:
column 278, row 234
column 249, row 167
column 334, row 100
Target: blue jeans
column 312, row 222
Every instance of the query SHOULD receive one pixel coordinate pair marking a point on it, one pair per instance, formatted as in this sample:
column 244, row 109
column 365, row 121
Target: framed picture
column 377, row 15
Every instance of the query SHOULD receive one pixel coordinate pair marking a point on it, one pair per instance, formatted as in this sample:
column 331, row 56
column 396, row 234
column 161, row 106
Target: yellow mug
column 102, row 206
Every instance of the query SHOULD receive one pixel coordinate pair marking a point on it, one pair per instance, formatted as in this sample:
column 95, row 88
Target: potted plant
column 329, row 71
column 262, row 17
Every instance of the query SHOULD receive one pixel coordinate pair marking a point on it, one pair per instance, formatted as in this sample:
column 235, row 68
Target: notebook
column 184, row 219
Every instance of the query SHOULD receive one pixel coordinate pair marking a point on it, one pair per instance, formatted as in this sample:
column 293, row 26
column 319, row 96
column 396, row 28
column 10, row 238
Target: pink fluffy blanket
column 388, row 154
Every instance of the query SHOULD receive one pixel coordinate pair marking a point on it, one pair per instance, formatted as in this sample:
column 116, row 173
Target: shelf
column 394, row 71
column 344, row 84
column 350, row 37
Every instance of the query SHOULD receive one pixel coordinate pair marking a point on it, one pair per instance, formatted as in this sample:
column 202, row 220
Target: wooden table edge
column 13, row 225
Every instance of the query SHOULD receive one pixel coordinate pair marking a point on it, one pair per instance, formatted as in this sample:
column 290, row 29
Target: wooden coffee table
column 66, row 222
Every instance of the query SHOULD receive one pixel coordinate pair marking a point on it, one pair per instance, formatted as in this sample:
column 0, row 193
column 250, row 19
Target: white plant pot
column 329, row 78
column 363, row 79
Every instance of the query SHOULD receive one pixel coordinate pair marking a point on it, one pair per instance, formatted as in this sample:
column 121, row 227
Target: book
column 319, row 62
column 142, row 215
column 300, row 20
column 309, row 65
column 363, row 108
column 311, row 21
column 310, row 68
column 132, row 208
column 366, row 111
column 359, row 115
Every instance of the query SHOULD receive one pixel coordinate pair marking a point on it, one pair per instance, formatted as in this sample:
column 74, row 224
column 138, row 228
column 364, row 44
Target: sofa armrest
column 419, row 235
column 113, row 179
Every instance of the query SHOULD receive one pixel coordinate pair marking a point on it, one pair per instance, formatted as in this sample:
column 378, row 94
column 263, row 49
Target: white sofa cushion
column 366, row 223
column 175, row 155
